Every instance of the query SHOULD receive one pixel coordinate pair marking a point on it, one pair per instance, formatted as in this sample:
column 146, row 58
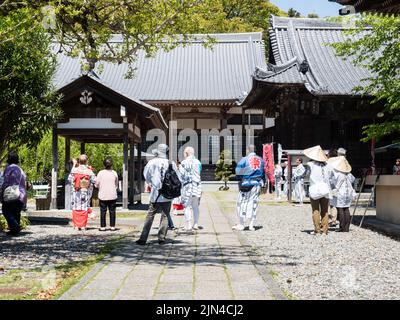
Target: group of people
column 82, row 180
column 331, row 189
column 164, row 177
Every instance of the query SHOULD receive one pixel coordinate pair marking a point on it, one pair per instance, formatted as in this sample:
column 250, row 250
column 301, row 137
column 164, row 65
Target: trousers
column 320, row 209
column 164, row 208
column 344, row 219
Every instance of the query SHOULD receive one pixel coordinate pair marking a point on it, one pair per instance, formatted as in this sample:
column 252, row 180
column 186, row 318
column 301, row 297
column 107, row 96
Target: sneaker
column 251, row 228
column 140, row 242
column 238, row 227
column 196, row 226
column 102, row 229
column 314, row 233
column 113, row 229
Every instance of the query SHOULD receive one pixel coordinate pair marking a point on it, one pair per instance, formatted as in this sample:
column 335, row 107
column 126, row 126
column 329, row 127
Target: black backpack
column 171, row 186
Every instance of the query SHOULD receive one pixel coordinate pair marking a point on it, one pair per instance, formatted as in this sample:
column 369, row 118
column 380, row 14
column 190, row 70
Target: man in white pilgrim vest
column 251, row 170
column 190, row 170
column 298, row 179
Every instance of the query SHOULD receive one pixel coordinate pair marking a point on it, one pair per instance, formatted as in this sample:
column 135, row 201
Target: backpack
column 171, row 186
column 81, row 181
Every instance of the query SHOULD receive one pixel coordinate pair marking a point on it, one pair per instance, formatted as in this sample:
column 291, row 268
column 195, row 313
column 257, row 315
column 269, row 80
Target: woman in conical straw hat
column 343, row 190
column 320, row 176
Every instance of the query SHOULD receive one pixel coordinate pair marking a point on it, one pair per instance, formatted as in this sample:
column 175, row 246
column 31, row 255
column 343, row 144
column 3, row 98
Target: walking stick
column 370, row 197
column 358, row 197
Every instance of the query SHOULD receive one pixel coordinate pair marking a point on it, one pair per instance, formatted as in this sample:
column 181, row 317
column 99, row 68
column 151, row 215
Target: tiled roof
column 384, row 6
column 187, row 73
column 303, row 45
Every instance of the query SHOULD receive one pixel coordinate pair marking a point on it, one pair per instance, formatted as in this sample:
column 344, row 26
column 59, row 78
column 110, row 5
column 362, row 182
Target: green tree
column 37, row 161
column 312, row 15
column 28, row 102
column 293, row 13
column 374, row 43
column 224, row 169
column 250, row 15
column 86, row 27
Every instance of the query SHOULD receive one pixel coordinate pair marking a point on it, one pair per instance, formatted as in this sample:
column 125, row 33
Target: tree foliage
column 374, row 43
column 37, row 161
column 293, row 13
column 224, row 169
column 85, row 27
column 28, row 102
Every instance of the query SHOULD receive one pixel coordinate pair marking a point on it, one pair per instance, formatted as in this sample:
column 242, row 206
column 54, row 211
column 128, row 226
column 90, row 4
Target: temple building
column 308, row 90
column 382, row 6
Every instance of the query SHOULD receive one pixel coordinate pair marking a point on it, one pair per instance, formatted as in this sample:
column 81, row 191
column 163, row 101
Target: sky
column 323, row 8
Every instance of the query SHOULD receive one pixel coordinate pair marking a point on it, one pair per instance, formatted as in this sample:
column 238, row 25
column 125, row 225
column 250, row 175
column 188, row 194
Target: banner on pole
column 268, row 157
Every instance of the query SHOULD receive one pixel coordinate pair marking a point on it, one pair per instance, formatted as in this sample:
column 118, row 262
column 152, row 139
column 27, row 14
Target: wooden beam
column 132, row 175
column 125, row 170
column 224, row 125
column 243, row 131
column 54, row 170
column 67, row 167
column 140, row 169
column 83, row 147
column 171, row 134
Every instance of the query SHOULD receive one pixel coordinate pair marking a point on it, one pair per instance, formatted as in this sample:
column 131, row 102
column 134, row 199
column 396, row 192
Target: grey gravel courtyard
column 362, row 264
column 280, row 260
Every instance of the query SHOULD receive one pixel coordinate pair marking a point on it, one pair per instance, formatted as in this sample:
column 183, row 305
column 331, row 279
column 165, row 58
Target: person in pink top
column 107, row 183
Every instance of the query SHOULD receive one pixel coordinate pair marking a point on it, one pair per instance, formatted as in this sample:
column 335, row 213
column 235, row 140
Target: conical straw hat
column 340, row 164
column 316, row 153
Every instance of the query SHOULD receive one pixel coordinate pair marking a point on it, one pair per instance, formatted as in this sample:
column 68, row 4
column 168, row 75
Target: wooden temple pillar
column 83, row 148
column 224, row 125
column 243, row 131
column 125, row 196
column 140, row 170
column 54, row 170
column 68, row 168
column 132, row 173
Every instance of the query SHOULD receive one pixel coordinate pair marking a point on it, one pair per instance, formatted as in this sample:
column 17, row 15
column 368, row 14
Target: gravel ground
column 43, row 245
column 361, row 264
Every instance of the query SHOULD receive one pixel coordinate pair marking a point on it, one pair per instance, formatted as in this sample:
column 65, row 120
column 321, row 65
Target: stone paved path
column 212, row 263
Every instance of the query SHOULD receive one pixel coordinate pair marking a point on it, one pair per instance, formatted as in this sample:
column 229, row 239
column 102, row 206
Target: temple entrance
column 95, row 113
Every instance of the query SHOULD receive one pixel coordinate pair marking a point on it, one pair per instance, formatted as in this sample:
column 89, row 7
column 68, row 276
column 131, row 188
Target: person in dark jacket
column 13, row 193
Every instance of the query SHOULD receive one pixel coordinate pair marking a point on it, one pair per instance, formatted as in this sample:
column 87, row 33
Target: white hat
column 341, row 151
column 340, row 164
column 316, row 153
column 161, row 150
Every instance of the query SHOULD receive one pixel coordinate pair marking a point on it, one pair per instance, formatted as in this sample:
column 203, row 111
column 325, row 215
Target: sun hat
column 161, row 150
column 340, row 164
column 316, row 153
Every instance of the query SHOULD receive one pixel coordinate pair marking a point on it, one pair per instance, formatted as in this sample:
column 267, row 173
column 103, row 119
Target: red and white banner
column 268, row 157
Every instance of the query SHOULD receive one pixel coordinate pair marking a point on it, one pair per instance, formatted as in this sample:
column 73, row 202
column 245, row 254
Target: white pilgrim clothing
column 190, row 170
column 154, row 173
column 278, row 181
column 298, row 177
column 343, row 183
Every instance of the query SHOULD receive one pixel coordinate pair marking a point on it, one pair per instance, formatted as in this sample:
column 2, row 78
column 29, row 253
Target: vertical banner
column 268, row 157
